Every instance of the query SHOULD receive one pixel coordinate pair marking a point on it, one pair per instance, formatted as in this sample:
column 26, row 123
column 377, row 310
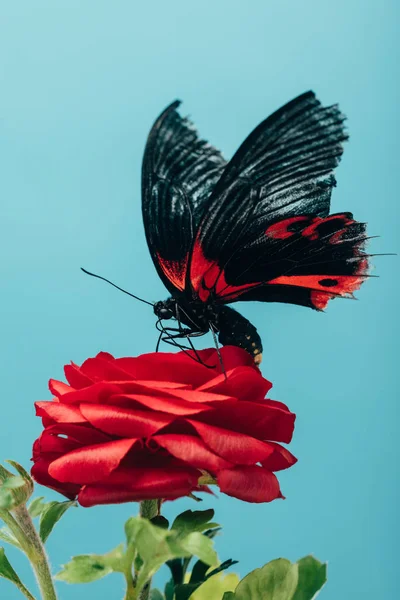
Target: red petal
column 252, row 484
column 166, row 404
column 86, row 435
column 280, row 459
column 105, row 356
column 140, row 484
column 125, row 422
column 252, row 418
column 193, row 451
column 233, row 356
column 168, row 367
column 100, row 369
column 91, row 463
column 196, row 396
column 58, row 388
column 75, row 377
column 275, row 404
column 243, row 383
column 41, row 475
column 52, row 444
column 60, row 413
column 151, row 384
column 97, row 393
column 235, row 447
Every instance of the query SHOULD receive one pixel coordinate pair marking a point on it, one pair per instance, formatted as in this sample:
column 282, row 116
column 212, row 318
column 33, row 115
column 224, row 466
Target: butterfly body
column 232, row 328
column 255, row 228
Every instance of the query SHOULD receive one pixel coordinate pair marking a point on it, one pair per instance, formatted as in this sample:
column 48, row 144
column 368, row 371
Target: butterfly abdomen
column 236, row 330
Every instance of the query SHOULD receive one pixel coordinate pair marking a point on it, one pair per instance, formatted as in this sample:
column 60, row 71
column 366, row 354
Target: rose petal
column 252, row 418
column 275, row 404
column 196, row 396
column 86, row 435
column 105, row 356
column 58, row 388
column 75, row 377
column 243, row 383
column 252, row 484
column 98, row 392
column 280, row 459
column 91, row 463
column 237, row 448
column 60, row 413
column 166, row 404
column 140, row 484
column 41, row 475
column 193, row 451
column 168, row 366
column 53, row 444
column 125, row 422
column 167, row 385
column 100, row 369
column 233, row 356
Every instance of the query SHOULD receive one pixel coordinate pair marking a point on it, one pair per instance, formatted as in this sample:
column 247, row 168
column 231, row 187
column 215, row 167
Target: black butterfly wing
column 266, row 233
column 178, row 174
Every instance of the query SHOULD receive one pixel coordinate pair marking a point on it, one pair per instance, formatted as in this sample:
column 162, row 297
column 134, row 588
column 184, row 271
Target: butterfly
column 256, row 228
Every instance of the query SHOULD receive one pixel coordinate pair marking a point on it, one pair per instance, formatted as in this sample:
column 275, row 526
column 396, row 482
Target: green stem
column 25, row 591
column 15, row 529
column 36, row 553
column 148, row 510
column 130, row 593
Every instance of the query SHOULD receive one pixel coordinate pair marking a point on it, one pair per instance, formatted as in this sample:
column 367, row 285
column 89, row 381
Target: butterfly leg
column 170, row 335
column 236, row 330
column 189, row 351
column 221, row 362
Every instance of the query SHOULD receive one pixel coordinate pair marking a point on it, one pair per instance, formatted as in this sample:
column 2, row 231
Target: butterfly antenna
column 116, row 286
column 221, row 362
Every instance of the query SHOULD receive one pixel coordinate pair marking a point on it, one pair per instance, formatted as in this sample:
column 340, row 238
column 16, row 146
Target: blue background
column 81, row 83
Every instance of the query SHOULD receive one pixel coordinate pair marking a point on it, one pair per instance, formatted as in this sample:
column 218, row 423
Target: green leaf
column 156, row 595
column 6, row 498
column 90, row 567
column 6, row 569
column 50, row 515
column 195, row 544
column 199, row 572
column 229, row 596
column 312, row 577
column 13, row 492
column 205, row 584
column 277, row 580
column 151, row 543
column 215, row 587
column 160, row 521
column 36, row 507
column 169, row 590
column 194, row 520
column 157, row 546
column 7, row 536
column 8, row 572
column 14, row 489
column 20, row 469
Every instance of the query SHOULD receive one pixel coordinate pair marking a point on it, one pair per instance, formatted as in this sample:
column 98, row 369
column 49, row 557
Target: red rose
column 162, row 426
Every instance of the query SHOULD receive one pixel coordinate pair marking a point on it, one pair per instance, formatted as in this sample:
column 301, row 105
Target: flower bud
column 14, row 489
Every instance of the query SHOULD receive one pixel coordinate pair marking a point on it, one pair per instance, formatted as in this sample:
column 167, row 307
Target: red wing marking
column 321, row 285
column 339, row 284
column 280, row 230
column 174, row 270
column 206, row 276
column 308, row 227
column 312, row 233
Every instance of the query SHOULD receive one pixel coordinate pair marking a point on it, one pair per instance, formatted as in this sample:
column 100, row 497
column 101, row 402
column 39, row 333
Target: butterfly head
column 165, row 309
